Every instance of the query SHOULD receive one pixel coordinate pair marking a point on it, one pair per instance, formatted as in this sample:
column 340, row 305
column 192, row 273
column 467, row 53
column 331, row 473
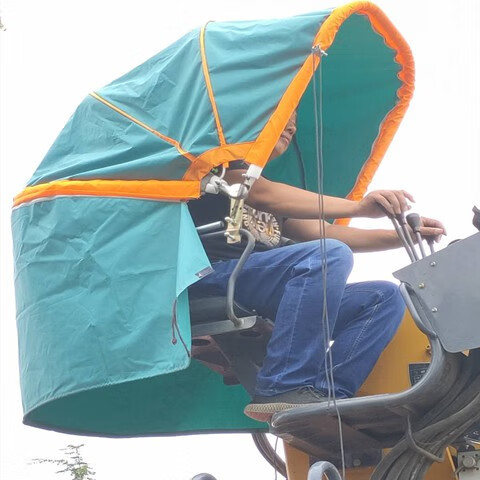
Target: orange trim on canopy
column 382, row 25
column 257, row 152
column 173, row 142
column 216, row 156
column 208, row 83
column 261, row 150
column 174, row 190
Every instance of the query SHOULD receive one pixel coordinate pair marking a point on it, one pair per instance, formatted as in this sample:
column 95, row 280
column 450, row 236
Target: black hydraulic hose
column 463, row 420
column 417, row 464
column 455, row 398
column 457, row 416
column 395, row 461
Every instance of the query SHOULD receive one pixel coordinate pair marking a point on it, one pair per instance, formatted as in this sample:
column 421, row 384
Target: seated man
column 287, row 285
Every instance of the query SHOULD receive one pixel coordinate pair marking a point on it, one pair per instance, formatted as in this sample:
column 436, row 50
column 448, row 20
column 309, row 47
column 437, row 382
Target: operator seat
column 236, row 352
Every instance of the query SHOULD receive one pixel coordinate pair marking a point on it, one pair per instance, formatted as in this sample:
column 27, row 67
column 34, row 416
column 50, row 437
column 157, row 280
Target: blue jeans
column 285, row 285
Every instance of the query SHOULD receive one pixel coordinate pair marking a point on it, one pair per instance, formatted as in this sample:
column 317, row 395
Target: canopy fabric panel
column 101, row 298
column 264, row 54
column 104, row 246
column 192, row 106
column 98, row 143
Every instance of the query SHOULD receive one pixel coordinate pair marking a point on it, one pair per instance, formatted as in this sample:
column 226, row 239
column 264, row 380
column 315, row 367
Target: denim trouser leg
column 368, row 318
column 286, row 285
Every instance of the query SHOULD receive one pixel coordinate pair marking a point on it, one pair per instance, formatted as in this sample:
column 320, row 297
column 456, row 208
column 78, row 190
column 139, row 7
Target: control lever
column 413, row 220
column 400, row 234
column 403, row 224
column 430, row 244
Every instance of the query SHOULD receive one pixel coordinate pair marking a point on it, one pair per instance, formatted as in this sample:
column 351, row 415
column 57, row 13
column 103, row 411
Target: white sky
column 54, row 52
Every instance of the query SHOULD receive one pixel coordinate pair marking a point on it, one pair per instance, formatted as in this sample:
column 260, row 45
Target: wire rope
column 318, row 114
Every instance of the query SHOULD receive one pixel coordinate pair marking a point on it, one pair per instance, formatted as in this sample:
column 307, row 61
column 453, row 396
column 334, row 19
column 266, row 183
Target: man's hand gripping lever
column 422, row 228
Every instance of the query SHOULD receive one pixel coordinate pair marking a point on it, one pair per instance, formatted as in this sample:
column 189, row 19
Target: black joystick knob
column 413, row 220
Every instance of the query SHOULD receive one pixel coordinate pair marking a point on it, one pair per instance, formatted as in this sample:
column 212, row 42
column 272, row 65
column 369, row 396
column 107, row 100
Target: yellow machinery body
column 390, row 375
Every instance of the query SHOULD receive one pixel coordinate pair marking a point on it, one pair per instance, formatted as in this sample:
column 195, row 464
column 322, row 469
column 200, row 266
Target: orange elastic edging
column 173, row 142
column 261, row 150
column 208, row 83
column 174, row 190
column 382, row 25
column 216, row 156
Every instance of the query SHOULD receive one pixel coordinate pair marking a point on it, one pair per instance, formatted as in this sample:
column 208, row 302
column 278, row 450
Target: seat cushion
column 212, row 309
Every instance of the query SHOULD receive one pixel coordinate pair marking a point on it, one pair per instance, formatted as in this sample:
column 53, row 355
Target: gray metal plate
column 447, row 290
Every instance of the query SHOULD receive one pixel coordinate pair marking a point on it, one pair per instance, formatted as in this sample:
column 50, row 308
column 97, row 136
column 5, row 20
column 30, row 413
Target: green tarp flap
column 96, row 286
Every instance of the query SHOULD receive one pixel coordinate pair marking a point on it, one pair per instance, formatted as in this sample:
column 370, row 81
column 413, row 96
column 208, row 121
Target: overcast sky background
column 54, row 52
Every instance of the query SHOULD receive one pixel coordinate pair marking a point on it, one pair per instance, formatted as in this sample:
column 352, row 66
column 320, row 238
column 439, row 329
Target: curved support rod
column 419, row 321
column 235, row 273
column 317, row 470
column 238, row 267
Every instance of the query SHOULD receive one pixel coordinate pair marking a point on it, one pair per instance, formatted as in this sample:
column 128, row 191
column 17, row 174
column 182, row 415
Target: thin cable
column 275, row 458
column 322, row 239
column 318, row 112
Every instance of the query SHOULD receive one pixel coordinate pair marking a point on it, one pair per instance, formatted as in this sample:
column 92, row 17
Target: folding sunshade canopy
column 105, row 248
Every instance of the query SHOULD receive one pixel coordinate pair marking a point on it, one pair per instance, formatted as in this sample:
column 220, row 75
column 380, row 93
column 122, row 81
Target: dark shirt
column 265, row 227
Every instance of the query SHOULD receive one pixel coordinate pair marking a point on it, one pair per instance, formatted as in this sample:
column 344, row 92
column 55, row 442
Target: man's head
column 286, row 136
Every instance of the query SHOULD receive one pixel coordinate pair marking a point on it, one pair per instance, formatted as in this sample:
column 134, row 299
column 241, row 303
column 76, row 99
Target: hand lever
column 401, row 220
column 413, row 220
column 399, row 232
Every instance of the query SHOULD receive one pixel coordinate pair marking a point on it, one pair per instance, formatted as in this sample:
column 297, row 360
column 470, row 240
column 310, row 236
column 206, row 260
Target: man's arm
column 358, row 239
column 287, row 201
column 303, row 212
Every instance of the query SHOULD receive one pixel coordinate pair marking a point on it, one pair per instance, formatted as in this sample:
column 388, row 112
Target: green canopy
column 105, row 248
